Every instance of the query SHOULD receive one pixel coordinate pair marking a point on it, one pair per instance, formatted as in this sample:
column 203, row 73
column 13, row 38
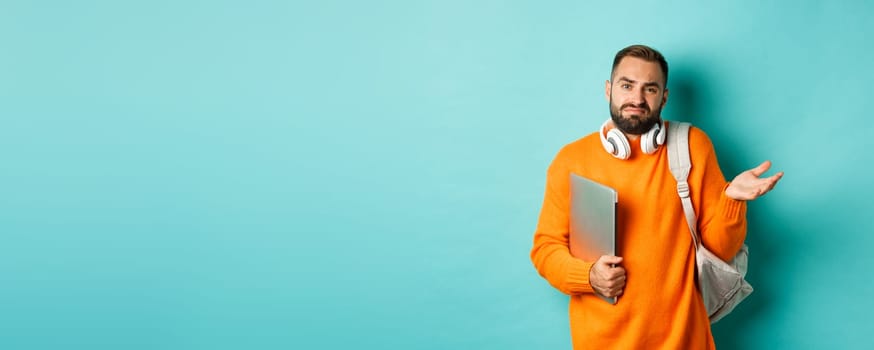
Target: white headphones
column 617, row 144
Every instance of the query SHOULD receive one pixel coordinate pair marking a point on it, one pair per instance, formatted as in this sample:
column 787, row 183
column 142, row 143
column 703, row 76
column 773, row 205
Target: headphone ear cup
column 609, row 145
column 619, row 143
column 653, row 138
column 661, row 136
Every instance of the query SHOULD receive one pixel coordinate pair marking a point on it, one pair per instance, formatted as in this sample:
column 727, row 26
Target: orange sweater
column 661, row 307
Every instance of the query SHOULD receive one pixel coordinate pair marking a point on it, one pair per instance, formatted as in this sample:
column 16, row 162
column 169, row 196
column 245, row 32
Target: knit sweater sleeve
column 722, row 221
column 550, row 254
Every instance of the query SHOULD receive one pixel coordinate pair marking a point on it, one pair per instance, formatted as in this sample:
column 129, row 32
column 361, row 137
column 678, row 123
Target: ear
column 665, row 97
column 607, row 90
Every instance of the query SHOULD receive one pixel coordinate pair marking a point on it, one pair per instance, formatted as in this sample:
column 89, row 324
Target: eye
column 625, row 86
column 652, row 90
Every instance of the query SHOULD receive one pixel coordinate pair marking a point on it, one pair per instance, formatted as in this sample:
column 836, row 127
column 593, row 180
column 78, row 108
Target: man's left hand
column 748, row 185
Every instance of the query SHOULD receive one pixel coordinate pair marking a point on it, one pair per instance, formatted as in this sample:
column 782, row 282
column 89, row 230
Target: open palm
column 749, row 184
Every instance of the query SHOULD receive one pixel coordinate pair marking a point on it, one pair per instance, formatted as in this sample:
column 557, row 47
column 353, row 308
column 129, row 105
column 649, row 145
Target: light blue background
column 327, row 175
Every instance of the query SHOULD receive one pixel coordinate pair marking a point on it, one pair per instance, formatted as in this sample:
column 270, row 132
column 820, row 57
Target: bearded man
column 661, row 306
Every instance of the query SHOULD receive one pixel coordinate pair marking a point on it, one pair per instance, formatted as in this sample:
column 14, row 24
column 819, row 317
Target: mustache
column 642, row 105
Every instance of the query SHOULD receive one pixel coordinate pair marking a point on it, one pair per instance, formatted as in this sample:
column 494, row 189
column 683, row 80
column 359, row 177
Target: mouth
column 635, row 110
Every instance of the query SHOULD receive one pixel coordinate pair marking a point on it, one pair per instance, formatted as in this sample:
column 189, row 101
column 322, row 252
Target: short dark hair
column 645, row 53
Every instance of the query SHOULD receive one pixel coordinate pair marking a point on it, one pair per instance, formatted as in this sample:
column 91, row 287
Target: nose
column 637, row 97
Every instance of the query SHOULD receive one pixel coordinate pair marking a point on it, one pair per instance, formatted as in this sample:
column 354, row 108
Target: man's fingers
column 613, row 292
column 607, row 277
column 610, row 260
column 761, row 169
column 769, row 183
column 772, row 181
column 611, row 288
column 748, row 185
column 777, row 177
column 612, row 285
column 614, row 277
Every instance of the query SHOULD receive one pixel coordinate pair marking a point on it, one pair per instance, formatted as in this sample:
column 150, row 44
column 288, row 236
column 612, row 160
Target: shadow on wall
column 690, row 89
column 767, row 258
column 683, row 98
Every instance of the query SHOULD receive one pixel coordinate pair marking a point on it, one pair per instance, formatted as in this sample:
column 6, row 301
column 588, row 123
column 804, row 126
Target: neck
column 631, row 137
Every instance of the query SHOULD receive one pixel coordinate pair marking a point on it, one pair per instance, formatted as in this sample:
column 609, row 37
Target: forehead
column 638, row 69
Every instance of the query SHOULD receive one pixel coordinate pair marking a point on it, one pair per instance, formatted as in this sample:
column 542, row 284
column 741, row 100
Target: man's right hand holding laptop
column 606, row 277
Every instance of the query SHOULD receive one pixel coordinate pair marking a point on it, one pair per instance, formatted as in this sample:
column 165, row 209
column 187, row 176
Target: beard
column 634, row 124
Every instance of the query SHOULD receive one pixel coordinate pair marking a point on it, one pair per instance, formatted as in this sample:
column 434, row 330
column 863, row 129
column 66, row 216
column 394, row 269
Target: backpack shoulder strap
column 680, row 164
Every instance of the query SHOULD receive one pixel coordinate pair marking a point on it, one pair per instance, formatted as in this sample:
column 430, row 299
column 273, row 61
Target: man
column 660, row 306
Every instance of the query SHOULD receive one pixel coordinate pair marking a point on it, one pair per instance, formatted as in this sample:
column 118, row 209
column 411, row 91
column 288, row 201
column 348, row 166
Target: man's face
column 636, row 95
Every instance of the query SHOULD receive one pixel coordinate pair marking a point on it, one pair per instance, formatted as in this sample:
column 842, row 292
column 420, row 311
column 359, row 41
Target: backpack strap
column 680, row 164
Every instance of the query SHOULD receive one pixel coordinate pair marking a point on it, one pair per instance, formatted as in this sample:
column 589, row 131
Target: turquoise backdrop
column 368, row 175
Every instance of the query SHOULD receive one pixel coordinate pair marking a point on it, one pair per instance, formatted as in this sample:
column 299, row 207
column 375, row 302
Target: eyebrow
column 649, row 83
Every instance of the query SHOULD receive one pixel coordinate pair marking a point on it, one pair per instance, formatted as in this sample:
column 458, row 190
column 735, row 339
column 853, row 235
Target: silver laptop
column 592, row 220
